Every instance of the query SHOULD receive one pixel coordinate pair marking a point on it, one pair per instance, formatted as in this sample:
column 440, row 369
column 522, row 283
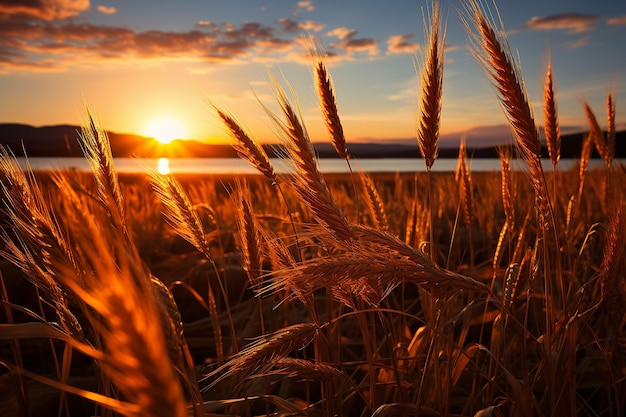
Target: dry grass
column 438, row 294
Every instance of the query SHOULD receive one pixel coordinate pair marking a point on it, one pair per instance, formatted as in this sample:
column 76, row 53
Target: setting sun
column 165, row 129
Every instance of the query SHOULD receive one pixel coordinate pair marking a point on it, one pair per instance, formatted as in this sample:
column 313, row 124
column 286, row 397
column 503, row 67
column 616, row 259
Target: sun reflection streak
column 163, row 166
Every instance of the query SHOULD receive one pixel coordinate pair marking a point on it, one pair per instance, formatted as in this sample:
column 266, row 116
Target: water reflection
column 163, row 166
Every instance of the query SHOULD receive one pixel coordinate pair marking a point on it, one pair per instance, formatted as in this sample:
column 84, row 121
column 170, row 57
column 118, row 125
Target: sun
column 165, row 129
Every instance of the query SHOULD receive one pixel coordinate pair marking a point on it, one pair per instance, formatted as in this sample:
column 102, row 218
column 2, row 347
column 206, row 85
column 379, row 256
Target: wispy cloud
column 617, row 20
column 350, row 44
column 293, row 26
column 310, row 25
column 106, row 9
column 579, row 43
column 42, row 9
column 572, row 22
column 402, row 44
column 306, row 6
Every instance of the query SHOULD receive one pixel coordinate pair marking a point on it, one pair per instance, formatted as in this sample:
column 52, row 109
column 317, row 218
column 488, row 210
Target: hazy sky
column 134, row 60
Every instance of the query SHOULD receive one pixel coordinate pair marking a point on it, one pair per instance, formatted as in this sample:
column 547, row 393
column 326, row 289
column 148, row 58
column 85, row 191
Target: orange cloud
column 290, row 25
column 310, row 25
column 617, row 20
column 573, row 22
column 25, row 43
column 106, row 10
column 350, row 44
column 31, row 43
column 342, row 33
column 579, row 43
column 42, row 9
column 401, row 44
column 306, row 5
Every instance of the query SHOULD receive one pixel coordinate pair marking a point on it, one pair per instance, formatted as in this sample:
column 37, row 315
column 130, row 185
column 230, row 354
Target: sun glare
column 165, row 129
column 163, row 166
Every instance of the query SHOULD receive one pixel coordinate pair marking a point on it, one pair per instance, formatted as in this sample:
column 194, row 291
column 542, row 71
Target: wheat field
column 427, row 294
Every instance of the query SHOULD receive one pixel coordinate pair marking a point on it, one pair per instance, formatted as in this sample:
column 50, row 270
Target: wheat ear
column 183, row 218
column 491, row 48
column 97, row 149
column 259, row 356
column 374, row 202
column 464, row 179
column 610, row 127
column 128, row 320
column 508, row 200
column 613, row 253
column 550, row 120
column 326, row 92
column 249, row 237
column 306, row 370
column 597, row 136
column 247, row 147
column 431, row 76
column 39, row 245
column 308, row 181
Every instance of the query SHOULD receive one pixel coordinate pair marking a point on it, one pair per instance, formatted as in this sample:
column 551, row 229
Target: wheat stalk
column 464, row 179
column 368, row 272
column 610, row 128
column 179, row 212
column 597, row 136
column 306, row 370
column 508, row 192
column 308, row 181
column 136, row 355
column 431, row 76
column 183, row 218
column 247, row 147
column 326, row 92
column 97, row 149
column 550, row 120
column 492, row 50
column 508, row 200
column 374, row 202
column 249, row 237
column 612, row 255
column 39, row 245
column 258, row 357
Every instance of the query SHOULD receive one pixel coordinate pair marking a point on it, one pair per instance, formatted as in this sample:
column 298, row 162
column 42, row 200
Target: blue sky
column 135, row 61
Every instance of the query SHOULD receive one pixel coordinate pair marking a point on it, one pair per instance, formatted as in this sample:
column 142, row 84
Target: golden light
column 165, row 129
column 163, row 166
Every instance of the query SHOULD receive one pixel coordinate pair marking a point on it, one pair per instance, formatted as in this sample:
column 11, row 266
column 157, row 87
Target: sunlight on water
column 164, row 166
column 236, row 166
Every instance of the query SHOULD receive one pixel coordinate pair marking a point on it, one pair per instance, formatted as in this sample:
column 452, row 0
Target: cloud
column 401, row 44
column 306, row 6
column 572, row 22
column 579, row 43
column 26, row 43
column 30, row 42
column 341, row 33
column 350, row 44
column 310, row 25
column 42, row 9
column 290, row 25
column 617, row 20
column 106, row 9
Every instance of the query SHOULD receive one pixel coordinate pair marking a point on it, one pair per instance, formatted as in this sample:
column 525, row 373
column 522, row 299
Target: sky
column 138, row 62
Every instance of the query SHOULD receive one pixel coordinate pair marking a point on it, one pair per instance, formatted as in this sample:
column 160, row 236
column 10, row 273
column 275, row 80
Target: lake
column 239, row 166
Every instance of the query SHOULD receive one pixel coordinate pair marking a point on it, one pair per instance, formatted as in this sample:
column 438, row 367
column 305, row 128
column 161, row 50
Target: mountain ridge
column 63, row 141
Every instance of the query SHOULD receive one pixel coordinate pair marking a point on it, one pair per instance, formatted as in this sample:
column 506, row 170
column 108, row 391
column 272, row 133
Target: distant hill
column 62, row 140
